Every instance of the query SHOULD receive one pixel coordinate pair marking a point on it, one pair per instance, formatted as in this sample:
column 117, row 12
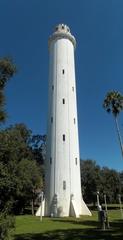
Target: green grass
column 31, row 228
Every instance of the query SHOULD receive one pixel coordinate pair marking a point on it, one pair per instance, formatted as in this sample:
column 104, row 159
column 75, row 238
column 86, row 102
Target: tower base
column 74, row 211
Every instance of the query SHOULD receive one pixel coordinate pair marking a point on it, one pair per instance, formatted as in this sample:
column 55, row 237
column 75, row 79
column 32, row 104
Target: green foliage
column 113, row 102
column 7, row 224
column 90, row 179
column 110, row 184
column 37, row 144
column 28, row 181
column 121, row 180
column 20, row 174
column 7, row 70
column 106, row 181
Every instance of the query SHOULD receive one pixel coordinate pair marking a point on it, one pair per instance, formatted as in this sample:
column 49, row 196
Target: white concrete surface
column 63, row 187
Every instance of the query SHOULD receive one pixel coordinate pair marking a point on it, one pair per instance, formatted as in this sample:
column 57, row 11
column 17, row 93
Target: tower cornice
column 62, row 31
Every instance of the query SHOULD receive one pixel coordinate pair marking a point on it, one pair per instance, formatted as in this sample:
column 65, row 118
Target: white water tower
column 63, row 195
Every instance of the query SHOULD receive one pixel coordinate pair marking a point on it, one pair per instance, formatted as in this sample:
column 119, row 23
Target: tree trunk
column 119, row 135
column 32, row 206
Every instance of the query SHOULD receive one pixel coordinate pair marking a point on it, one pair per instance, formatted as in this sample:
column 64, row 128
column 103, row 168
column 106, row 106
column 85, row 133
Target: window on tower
column 76, row 161
column 74, row 120
column 63, row 100
column 51, row 119
column 52, row 87
column 73, row 89
column 63, row 71
column 63, row 137
column 64, row 185
column 50, row 160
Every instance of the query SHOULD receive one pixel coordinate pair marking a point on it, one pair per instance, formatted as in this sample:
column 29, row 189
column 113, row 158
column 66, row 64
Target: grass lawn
column 31, row 228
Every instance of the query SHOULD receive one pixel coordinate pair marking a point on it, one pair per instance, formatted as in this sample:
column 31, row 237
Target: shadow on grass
column 83, row 222
column 114, row 233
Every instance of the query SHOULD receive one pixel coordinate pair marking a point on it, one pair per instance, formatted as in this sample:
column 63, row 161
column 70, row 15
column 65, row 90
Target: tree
column 121, row 182
column 113, row 103
column 110, row 184
column 7, row 71
column 90, row 180
column 20, row 173
column 37, row 144
column 103, row 180
column 29, row 180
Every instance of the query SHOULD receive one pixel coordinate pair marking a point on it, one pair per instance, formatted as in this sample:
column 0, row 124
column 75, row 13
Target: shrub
column 7, row 224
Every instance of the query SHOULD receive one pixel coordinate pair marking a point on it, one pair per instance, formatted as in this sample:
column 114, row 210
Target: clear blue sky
column 25, row 26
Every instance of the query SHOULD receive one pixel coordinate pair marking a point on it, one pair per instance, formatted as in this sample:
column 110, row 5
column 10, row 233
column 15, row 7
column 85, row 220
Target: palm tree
column 113, row 103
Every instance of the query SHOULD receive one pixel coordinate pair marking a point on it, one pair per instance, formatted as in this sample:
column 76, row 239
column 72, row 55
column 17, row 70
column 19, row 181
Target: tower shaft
column 63, row 186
